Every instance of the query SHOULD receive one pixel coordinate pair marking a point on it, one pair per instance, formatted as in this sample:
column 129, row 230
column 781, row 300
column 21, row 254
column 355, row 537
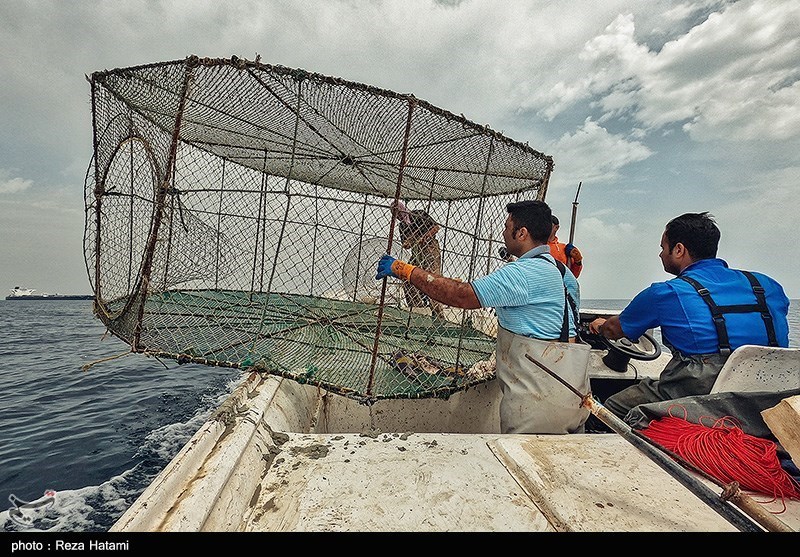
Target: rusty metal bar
column 219, row 226
column 98, row 195
column 288, row 196
column 129, row 285
column 360, row 245
column 474, row 253
column 170, row 230
column 412, row 103
column 546, row 180
column 260, row 217
column 147, row 265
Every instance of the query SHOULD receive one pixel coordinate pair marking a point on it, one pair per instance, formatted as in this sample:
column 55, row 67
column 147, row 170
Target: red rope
column 725, row 452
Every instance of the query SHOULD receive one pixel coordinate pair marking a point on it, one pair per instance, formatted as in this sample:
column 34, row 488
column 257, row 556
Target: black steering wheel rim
column 645, row 348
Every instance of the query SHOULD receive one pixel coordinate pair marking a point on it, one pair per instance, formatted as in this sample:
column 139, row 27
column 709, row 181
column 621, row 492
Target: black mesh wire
column 235, row 212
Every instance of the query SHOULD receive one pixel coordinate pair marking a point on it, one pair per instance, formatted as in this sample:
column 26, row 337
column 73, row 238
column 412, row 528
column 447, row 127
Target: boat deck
column 256, row 467
column 454, row 482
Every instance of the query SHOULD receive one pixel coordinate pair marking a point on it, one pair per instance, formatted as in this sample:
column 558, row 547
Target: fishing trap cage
column 236, row 212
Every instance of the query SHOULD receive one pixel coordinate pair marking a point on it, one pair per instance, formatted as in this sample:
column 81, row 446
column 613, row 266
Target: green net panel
column 236, row 211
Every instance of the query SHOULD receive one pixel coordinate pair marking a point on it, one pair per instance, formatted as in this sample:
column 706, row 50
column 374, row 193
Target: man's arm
column 441, row 289
column 445, row 290
column 609, row 328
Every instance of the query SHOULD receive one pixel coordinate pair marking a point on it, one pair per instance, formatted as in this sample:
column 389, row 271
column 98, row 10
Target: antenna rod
column 574, row 213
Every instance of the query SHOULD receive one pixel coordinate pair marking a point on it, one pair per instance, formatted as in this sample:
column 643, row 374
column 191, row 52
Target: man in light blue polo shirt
column 705, row 313
column 536, row 300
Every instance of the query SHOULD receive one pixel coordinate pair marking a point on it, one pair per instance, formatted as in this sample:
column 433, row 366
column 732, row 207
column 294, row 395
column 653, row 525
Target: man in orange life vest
column 568, row 254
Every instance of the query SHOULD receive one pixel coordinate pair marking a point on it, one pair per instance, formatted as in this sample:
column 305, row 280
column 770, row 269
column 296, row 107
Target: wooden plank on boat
column 602, row 483
column 783, row 420
column 403, row 483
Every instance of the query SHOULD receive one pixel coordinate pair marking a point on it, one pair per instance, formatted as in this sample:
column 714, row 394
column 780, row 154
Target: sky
column 655, row 108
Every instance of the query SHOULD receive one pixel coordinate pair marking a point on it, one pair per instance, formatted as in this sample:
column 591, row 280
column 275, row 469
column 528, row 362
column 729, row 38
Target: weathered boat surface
column 281, row 456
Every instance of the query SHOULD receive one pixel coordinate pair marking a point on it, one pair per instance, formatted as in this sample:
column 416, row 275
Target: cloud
column 13, row 185
column 739, row 71
column 770, row 247
column 732, row 75
column 592, row 154
column 607, row 232
column 608, row 71
column 620, row 257
column 665, row 96
column 61, row 199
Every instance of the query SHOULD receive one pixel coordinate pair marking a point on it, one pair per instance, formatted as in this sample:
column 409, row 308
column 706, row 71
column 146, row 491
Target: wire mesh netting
column 236, row 212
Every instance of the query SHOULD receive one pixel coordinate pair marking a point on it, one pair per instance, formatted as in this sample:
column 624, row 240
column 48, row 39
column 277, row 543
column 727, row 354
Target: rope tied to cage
column 725, row 452
column 88, row 366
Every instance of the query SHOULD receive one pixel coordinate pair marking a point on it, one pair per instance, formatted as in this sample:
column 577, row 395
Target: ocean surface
column 94, row 438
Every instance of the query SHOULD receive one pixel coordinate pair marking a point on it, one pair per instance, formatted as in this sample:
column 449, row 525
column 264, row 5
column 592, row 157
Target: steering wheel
column 645, row 348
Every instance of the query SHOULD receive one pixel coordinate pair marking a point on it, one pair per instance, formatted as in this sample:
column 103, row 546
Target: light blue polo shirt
column 685, row 319
column 528, row 295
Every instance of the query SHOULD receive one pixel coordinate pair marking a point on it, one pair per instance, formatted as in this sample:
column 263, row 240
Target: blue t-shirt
column 685, row 319
column 528, row 295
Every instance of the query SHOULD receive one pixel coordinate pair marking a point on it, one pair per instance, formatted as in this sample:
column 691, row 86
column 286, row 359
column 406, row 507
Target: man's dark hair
column 697, row 232
column 555, row 220
column 533, row 215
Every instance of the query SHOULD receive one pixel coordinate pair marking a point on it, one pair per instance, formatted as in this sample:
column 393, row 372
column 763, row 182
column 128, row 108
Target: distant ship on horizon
column 18, row 293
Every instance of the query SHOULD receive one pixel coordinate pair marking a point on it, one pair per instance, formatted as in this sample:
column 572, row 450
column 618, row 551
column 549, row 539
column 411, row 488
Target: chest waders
column 717, row 312
column 534, row 402
column 694, row 374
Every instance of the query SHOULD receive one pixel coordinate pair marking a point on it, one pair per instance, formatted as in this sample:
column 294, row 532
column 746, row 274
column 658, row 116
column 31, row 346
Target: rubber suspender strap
column 766, row 316
column 567, row 300
column 718, row 311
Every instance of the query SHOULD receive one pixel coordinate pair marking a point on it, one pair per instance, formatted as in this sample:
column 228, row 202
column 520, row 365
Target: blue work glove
column 385, row 267
column 574, row 253
column 388, row 266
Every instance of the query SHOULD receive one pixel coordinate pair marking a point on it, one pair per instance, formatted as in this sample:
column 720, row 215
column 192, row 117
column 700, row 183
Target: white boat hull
column 280, row 456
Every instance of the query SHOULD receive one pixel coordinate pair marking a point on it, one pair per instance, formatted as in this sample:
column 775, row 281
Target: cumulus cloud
column 733, row 75
column 739, row 74
column 13, row 185
column 620, row 93
column 608, row 72
column 592, row 154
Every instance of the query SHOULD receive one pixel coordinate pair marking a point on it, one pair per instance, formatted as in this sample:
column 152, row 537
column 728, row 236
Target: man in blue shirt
column 531, row 297
column 704, row 314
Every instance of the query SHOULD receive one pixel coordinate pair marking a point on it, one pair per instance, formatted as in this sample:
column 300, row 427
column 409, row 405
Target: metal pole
column 412, row 103
column 574, row 213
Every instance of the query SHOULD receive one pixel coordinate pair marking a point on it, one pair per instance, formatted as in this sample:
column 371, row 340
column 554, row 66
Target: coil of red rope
column 725, row 452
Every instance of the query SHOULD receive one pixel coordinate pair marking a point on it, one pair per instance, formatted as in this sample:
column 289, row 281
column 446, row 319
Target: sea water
column 97, row 436
column 78, row 445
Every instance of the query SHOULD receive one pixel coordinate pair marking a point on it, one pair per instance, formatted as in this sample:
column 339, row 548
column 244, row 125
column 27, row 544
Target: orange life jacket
column 575, row 260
